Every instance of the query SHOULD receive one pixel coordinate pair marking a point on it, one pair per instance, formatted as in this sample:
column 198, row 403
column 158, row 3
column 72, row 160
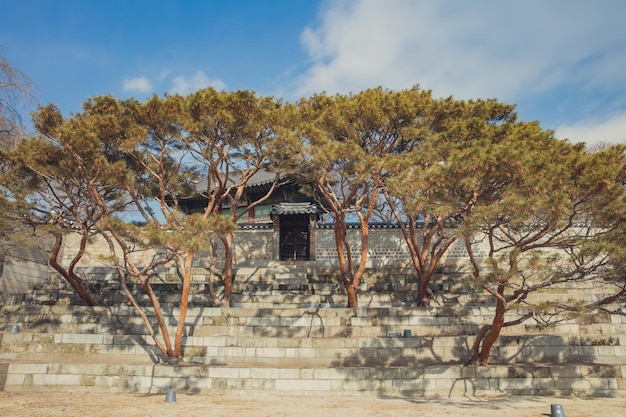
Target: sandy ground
column 96, row 404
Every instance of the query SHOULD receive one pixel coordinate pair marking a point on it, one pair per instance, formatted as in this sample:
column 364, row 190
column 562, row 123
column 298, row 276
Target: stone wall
column 253, row 247
column 257, row 246
column 386, row 247
column 23, row 269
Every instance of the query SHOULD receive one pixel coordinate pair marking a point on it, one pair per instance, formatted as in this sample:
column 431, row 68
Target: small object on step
column 556, row 410
column 170, row 397
column 395, row 335
column 407, row 333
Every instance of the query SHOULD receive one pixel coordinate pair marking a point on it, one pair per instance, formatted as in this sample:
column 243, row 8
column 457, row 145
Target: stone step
column 316, row 352
column 420, row 381
column 276, row 316
column 287, row 293
column 300, row 322
column 319, row 331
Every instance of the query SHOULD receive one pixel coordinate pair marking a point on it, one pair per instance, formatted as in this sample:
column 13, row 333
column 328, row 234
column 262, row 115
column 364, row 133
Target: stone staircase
column 287, row 334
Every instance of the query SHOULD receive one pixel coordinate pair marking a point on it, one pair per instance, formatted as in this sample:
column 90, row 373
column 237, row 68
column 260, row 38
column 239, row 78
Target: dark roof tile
column 294, row 208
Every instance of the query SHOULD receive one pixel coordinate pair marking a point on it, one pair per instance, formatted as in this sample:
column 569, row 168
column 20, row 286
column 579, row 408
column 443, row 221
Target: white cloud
column 182, row 85
column 596, row 131
column 482, row 48
column 139, row 85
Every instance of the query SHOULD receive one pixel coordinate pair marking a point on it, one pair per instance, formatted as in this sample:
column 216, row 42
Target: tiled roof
column 261, row 177
column 376, row 225
column 294, row 208
column 255, row 225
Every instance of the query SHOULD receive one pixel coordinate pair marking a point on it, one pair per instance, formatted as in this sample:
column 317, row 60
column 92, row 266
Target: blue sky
column 563, row 62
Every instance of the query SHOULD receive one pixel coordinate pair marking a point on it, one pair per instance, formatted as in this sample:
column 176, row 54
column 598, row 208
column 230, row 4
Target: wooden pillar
column 276, row 238
column 312, row 237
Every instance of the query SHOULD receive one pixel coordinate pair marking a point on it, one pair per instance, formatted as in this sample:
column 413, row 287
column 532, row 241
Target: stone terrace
column 289, row 333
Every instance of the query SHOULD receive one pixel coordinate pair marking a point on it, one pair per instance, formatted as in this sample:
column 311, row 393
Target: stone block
column 177, row 371
column 620, row 351
column 28, row 368
column 368, row 331
column 111, row 381
column 306, row 353
column 265, row 373
column 286, row 373
column 492, row 371
column 428, row 321
column 270, row 352
column 453, row 386
column 307, row 373
column 328, row 343
column 442, row 372
column 231, row 351
column 572, row 384
column 363, row 321
column 56, row 379
column 413, row 385
column 569, row 329
column 605, row 351
column 397, row 321
column 258, row 385
column 263, row 321
column 8, row 356
column 515, row 383
column 286, row 343
column 15, row 381
column 303, row 385
column 225, row 373
column 554, row 353
column 212, row 351
column 357, row 385
column 161, row 384
column 215, row 341
column 329, row 373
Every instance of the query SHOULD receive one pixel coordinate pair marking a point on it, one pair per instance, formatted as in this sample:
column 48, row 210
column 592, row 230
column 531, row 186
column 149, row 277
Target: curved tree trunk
column 185, row 270
column 489, row 334
column 143, row 316
column 344, row 257
column 353, row 299
column 217, row 302
column 490, row 338
column 424, row 295
column 476, row 348
column 228, row 269
column 74, row 280
column 172, row 358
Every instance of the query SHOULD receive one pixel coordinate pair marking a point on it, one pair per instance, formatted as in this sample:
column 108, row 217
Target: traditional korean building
column 288, row 212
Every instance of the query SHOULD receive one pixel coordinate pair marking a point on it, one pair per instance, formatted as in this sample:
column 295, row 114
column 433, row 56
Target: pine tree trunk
column 477, row 342
column 184, row 302
column 217, row 302
column 228, row 269
column 489, row 340
column 172, row 358
column 74, row 280
column 353, row 299
column 488, row 337
column 424, row 295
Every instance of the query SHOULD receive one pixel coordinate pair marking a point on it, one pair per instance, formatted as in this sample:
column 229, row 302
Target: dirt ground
column 131, row 405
